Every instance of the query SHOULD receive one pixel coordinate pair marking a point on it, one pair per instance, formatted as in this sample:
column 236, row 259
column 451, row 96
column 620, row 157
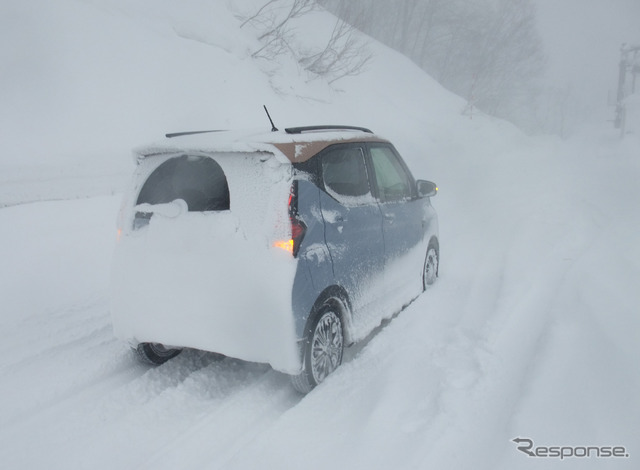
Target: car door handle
column 390, row 218
column 333, row 217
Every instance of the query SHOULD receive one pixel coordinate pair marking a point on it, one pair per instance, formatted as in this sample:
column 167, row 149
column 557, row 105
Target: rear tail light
column 298, row 228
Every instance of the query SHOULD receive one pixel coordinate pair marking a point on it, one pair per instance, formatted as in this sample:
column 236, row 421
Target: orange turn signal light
column 286, row 245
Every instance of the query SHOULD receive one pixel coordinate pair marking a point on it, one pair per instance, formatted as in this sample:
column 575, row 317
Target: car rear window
column 199, row 181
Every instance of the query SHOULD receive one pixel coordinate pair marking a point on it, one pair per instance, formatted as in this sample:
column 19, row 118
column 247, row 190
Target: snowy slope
column 531, row 331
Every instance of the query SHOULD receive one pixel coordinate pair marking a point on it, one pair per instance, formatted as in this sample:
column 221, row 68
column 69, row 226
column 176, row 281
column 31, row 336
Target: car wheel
column 430, row 272
column 155, row 353
column 323, row 350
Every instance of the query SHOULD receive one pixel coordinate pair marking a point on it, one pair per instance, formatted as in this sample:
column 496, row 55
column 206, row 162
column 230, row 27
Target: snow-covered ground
column 531, row 331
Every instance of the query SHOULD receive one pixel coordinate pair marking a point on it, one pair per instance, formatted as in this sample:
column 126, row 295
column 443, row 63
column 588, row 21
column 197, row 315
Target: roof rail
column 300, row 130
column 178, row 134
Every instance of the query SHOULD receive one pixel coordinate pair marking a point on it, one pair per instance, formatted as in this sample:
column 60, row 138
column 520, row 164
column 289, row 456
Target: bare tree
column 343, row 55
column 273, row 20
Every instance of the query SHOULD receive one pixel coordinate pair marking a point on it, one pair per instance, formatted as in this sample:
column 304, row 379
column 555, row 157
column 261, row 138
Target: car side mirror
column 426, row 188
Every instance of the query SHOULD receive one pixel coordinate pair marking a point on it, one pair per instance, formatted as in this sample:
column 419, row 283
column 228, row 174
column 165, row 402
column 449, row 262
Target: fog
column 544, row 65
column 582, row 40
column 76, row 92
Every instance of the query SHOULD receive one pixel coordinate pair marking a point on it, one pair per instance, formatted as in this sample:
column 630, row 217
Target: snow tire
column 431, row 265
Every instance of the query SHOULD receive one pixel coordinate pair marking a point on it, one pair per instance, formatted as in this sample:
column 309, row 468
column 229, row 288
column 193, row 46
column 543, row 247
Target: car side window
column 393, row 181
column 344, row 173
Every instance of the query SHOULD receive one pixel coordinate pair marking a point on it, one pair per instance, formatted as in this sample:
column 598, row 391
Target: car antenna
column 273, row 126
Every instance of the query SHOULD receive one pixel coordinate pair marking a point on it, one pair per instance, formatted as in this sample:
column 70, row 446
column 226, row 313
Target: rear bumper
column 193, row 299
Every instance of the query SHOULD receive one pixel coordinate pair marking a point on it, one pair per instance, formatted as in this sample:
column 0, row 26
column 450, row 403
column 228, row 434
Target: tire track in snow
column 155, row 407
column 516, row 334
column 217, row 435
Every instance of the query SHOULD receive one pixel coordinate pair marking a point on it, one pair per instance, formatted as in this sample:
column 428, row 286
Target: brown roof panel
column 303, row 150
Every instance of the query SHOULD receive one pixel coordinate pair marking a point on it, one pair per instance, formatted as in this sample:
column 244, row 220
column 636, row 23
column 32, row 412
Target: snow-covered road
column 531, row 331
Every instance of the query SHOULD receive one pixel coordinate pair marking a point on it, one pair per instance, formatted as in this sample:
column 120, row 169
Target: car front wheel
column 430, row 272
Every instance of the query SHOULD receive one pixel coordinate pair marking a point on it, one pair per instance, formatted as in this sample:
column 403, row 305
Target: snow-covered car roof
column 293, row 144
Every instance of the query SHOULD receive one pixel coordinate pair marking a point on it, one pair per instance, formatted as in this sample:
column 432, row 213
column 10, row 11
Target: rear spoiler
column 178, row 134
